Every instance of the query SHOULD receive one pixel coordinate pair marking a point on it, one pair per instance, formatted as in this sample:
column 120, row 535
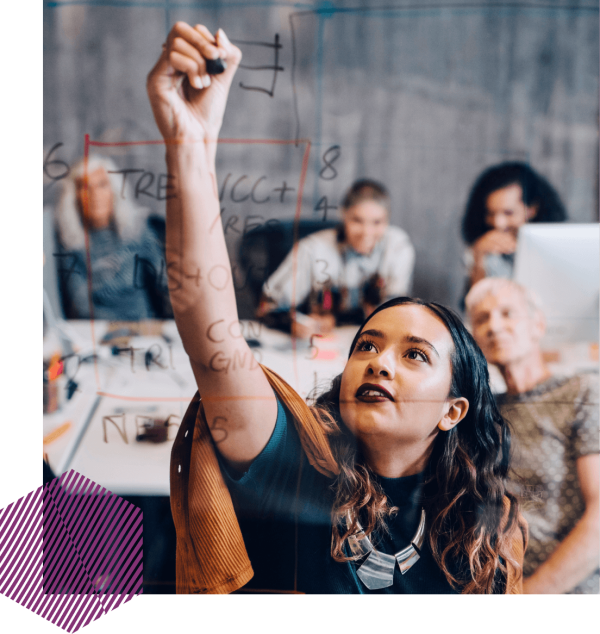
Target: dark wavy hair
column 464, row 493
column 536, row 191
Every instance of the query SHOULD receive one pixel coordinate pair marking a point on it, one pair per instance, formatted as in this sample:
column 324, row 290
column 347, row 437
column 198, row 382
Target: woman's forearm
column 198, row 268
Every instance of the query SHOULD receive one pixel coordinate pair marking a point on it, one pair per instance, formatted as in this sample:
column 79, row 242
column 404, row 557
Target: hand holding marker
column 215, row 66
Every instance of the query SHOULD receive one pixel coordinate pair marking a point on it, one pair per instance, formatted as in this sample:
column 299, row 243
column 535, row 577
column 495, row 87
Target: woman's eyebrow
column 373, row 333
column 413, row 339
column 410, row 338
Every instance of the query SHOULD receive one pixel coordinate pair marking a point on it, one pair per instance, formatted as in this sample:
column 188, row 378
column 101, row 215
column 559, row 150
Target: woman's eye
column 417, row 355
column 365, row 346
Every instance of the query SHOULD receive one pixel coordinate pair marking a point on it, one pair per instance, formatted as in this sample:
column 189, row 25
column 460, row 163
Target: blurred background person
column 503, row 198
column 555, row 425
column 342, row 274
column 126, row 249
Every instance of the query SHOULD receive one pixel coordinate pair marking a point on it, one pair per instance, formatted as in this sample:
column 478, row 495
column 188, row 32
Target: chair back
column 264, row 248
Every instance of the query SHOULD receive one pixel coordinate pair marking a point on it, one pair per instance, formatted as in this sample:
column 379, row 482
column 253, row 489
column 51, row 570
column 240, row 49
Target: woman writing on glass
column 393, row 482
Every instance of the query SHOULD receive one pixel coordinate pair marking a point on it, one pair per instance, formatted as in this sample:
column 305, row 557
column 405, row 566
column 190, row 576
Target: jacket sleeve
column 211, row 557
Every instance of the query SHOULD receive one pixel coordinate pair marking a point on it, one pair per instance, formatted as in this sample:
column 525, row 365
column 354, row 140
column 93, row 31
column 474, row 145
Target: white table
column 123, row 388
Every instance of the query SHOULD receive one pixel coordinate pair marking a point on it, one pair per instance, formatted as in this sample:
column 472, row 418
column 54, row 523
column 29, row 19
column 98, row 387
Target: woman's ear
column 457, row 409
column 532, row 212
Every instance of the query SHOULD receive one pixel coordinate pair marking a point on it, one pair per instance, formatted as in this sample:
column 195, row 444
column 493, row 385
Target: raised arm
column 188, row 106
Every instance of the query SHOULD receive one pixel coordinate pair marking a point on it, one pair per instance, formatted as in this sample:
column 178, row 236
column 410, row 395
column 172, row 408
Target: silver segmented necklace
column 377, row 571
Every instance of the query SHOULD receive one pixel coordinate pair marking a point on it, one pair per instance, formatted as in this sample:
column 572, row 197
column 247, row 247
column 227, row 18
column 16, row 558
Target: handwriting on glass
column 147, row 184
column 141, row 422
column 54, row 168
column 222, row 362
column 275, row 68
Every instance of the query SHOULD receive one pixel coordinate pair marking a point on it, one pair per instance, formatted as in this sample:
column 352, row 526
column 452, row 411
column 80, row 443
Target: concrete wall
column 422, row 97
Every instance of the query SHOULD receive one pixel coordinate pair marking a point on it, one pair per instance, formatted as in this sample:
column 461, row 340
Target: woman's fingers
column 223, row 43
column 504, row 240
column 198, row 76
column 220, row 40
column 204, row 42
column 495, row 241
column 205, row 32
column 187, row 66
column 503, row 243
column 197, row 44
column 185, row 53
column 228, row 50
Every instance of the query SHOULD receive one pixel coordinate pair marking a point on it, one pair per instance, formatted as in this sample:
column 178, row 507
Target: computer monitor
column 560, row 262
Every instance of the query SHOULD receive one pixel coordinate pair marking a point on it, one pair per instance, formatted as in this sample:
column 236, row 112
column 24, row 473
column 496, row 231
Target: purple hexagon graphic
column 71, row 551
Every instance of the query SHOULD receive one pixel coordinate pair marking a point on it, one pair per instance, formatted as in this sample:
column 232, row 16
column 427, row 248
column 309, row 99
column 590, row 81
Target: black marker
column 215, row 66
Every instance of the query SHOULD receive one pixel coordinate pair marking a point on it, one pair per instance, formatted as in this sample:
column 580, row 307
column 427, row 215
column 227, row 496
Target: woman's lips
column 372, row 393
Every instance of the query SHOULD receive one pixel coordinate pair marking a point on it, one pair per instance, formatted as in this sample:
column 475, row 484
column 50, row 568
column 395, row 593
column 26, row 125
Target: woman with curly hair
column 504, row 198
column 394, row 481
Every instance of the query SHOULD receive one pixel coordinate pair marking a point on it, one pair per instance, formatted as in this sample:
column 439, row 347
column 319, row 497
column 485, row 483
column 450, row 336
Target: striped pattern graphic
column 71, row 551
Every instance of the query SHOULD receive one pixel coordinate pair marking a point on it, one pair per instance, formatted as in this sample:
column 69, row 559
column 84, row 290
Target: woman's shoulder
column 396, row 237
column 326, row 238
column 311, row 431
column 282, row 447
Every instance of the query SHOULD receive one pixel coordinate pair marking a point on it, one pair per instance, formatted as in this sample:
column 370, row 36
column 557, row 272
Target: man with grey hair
column 554, row 421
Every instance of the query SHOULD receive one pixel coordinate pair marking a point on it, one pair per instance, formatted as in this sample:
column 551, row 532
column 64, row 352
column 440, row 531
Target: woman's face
column 506, row 211
column 98, row 213
column 396, row 383
column 364, row 225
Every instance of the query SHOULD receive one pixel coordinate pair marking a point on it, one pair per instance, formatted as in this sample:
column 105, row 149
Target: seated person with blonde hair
column 341, row 275
column 555, row 424
column 125, row 254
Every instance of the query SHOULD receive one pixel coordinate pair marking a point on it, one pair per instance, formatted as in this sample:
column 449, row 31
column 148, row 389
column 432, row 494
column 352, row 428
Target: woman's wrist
column 181, row 151
column 190, row 159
